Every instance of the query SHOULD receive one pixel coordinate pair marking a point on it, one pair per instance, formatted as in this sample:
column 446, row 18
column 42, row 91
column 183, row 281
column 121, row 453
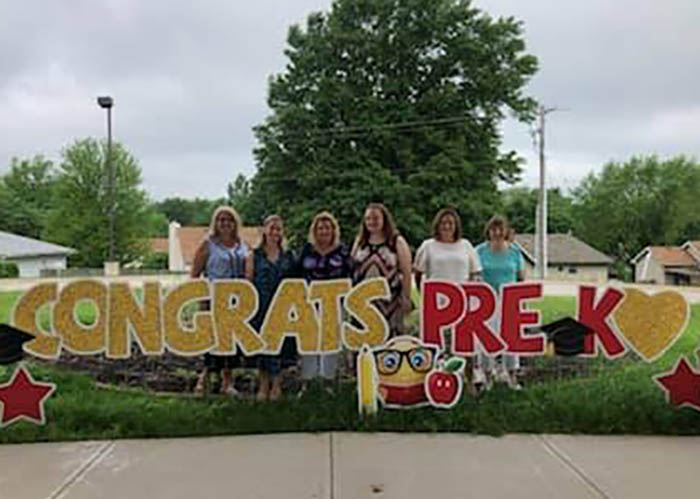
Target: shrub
column 8, row 269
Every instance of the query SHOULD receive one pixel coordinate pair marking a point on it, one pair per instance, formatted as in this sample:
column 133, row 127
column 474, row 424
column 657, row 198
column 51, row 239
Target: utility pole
column 541, row 222
column 107, row 102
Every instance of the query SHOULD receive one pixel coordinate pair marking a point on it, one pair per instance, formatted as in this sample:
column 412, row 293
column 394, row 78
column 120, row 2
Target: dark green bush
column 8, row 270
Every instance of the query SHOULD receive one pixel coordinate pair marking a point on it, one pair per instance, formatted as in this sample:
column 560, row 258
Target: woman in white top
column 448, row 256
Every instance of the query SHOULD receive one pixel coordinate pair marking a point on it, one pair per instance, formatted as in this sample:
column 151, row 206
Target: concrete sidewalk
column 350, row 465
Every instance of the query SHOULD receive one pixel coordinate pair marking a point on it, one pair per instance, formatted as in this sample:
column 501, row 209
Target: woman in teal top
column 502, row 263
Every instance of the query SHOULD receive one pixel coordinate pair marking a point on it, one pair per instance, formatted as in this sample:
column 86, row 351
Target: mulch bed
column 166, row 373
column 177, row 374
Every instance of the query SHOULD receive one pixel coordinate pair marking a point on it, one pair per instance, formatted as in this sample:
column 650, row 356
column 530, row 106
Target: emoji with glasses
column 402, row 365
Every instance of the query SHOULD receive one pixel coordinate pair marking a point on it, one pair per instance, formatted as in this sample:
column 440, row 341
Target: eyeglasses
column 420, row 359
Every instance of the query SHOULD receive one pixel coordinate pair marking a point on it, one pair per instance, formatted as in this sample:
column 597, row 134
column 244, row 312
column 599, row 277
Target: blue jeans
column 273, row 364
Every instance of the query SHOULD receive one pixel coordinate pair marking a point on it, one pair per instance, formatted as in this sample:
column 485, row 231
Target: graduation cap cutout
column 566, row 334
column 11, row 341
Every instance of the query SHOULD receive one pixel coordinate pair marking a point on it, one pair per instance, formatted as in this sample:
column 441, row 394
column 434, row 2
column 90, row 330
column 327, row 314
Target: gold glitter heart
column 651, row 324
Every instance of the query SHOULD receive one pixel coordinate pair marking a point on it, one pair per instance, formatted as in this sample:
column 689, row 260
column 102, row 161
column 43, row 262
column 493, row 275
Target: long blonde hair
column 214, row 232
column 324, row 216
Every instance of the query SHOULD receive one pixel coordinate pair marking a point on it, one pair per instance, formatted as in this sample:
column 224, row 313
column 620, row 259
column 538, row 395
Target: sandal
column 202, row 385
column 263, row 394
column 232, row 392
column 275, row 394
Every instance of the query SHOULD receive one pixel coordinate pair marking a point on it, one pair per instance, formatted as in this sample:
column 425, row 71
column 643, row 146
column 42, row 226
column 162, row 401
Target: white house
column 568, row 259
column 31, row 255
column 671, row 265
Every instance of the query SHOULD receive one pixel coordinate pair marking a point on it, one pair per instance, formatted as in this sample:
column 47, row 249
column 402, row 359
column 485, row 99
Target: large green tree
column 79, row 216
column 240, row 197
column 644, row 201
column 156, row 222
column 188, row 212
column 392, row 100
column 25, row 195
column 520, row 205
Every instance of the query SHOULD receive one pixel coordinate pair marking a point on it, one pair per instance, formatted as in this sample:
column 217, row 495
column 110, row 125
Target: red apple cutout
column 443, row 385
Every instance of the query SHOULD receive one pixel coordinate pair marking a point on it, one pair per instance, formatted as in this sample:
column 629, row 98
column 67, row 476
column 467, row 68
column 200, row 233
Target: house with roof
column 670, row 265
column 31, row 255
column 568, row 259
column 182, row 242
column 693, row 249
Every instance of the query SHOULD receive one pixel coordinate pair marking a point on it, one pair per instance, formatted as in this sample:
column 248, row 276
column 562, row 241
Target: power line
column 337, row 175
column 401, row 126
column 362, row 132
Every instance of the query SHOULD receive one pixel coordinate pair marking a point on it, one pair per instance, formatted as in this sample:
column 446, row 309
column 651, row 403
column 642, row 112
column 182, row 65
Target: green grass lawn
column 86, row 311
column 619, row 399
column 7, row 301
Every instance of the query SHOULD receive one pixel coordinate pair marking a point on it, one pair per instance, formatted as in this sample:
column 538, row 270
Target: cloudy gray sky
column 190, row 79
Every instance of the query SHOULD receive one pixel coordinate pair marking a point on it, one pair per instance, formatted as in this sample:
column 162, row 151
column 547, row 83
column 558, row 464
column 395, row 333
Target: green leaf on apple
column 454, row 364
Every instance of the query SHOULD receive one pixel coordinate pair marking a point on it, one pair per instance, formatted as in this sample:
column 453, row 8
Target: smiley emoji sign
column 405, row 373
column 403, row 364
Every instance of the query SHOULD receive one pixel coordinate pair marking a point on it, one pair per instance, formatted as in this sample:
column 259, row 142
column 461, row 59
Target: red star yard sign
column 682, row 385
column 23, row 398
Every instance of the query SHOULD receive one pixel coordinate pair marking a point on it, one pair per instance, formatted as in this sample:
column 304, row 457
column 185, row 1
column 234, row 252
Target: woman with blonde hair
column 222, row 255
column 380, row 251
column 323, row 257
column 502, row 264
column 272, row 263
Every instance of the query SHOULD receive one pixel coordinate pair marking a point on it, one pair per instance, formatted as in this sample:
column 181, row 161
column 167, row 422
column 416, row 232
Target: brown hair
column 438, row 218
column 320, row 217
column 388, row 226
column 499, row 221
column 269, row 220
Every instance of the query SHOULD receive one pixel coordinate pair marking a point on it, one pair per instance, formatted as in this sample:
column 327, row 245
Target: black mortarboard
column 11, row 341
column 566, row 334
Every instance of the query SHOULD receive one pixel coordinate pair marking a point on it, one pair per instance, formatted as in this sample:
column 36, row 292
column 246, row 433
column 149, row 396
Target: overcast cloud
column 190, row 79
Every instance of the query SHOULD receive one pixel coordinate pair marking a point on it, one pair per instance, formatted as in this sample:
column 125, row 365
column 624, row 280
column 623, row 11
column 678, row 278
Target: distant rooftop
column 159, row 244
column 13, row 246
column 563, row 249
column 670, row 256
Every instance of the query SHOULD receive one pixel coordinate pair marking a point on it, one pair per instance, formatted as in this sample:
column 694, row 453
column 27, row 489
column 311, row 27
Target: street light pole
column 107, row 103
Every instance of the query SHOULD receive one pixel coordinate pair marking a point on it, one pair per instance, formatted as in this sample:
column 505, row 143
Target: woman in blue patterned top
column 323, row 257
column 272, row 263
column 222, row 255
column 502, row 263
